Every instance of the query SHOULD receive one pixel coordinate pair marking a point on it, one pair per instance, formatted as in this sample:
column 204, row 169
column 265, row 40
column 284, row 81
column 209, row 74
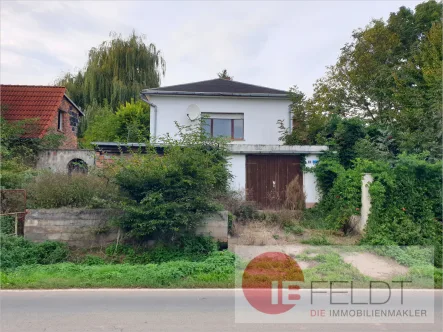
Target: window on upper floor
column 224, row 124
column 60, row 121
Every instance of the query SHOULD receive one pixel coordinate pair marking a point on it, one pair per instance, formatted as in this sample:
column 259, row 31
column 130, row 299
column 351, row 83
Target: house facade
column 47, row 109
column 247, row 114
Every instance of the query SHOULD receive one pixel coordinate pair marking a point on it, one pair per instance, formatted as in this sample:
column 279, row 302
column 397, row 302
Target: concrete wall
column 85, row 228
column 89, row 228
column 215, row 225
column 58, row 160
column 260, row 115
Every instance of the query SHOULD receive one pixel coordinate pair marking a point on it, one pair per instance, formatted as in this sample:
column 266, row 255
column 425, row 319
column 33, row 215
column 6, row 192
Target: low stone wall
column 84, row 228
column 58, row 160
column 90, row 228
column 215, row 225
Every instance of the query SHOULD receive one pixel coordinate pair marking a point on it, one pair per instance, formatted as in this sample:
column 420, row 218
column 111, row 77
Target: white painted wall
column 260, row 115
column 238, row 170
column 310, row 182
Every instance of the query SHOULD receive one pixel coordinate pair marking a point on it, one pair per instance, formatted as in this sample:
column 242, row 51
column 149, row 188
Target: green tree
column 133, row 121
column 102, row 125
column 116, row 71
column 224, row 75
column 389, row 75
column 129, row 124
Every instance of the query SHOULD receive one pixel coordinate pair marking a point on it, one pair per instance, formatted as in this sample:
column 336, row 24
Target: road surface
column 152, row 310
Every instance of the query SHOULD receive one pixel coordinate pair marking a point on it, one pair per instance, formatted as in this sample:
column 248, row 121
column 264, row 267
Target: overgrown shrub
column 295, row 196
column 7, row 225
column 406, row 201
column 281, row 218
column 18, row 154
column 406, row 205
column 188, row 247
column 326, row 171
column 171, row 193
column 55, row 190
column 16, row 251
column 235, row 201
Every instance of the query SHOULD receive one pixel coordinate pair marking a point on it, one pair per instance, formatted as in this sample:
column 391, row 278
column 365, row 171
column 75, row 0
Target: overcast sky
column 275, row 44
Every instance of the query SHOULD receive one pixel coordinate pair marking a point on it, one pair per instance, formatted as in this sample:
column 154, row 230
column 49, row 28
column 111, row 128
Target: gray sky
column 275, row 44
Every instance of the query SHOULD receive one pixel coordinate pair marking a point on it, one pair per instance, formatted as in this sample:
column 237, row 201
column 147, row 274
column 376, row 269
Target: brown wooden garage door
column 267, row 177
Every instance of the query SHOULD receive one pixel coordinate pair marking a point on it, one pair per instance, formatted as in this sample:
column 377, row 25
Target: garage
column 267, row 177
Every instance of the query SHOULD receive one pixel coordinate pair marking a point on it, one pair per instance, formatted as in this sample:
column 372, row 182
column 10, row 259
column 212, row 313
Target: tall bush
column 172, row 192
column 407, row 205
column 406, row 200
column 55, row 190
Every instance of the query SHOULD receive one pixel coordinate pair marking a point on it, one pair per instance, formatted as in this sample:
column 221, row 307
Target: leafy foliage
column 55, row 190
column 116, row 71
column 18, row 154
column 405, row 199
column 185, row 248
column 172, row 192
column 129, row 124
column 16, row 251
column 7, row 225
column 389, row 76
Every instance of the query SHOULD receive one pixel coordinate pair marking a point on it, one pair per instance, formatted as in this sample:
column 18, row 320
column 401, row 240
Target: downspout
column 290, row 119
column 143, row 97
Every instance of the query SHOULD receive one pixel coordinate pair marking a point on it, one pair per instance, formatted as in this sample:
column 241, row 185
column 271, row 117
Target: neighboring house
column 248, row 114
column 49, row 106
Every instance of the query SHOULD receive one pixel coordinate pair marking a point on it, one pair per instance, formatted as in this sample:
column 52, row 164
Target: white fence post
column 365, row 200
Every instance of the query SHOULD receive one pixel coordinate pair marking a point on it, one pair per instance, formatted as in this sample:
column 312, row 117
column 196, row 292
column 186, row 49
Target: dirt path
column 371, row 265
column 374, row 266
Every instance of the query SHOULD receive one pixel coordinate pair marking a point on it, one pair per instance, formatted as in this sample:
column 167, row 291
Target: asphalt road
column 152, row 310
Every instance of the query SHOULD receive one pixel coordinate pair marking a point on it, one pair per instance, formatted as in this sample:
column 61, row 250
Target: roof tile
column 20, row 102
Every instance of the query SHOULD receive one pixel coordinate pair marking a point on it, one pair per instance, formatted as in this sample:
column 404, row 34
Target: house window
column 227, row 125
column 60, row 121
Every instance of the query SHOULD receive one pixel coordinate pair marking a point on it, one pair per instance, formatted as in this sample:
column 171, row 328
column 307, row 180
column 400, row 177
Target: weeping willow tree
column 116, row 72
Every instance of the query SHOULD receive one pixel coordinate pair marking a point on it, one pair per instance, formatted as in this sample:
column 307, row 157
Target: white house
column 248, row 114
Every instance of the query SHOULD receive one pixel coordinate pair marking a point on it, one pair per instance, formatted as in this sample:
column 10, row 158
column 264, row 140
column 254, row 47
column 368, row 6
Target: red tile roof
column 20, row 102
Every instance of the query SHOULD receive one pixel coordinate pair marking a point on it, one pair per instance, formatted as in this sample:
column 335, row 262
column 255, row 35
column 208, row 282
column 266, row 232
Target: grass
column 217, row 271
column 294, row 229
column 330, row 266
column 317, row 241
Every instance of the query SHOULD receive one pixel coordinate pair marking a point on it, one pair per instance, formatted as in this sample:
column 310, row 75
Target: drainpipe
column 155, row 113
column 290, row 119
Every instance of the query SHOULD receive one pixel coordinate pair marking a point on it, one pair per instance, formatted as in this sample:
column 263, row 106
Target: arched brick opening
column 77, row 166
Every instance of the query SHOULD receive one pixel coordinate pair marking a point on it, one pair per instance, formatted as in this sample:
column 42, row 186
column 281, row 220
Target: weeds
column 54, row 190
column 16, row 251
column 217, row 270
column 317, row 241
column 294, row 229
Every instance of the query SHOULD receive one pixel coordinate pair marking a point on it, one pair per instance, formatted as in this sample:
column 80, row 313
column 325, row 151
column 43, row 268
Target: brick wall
column 71, row 119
